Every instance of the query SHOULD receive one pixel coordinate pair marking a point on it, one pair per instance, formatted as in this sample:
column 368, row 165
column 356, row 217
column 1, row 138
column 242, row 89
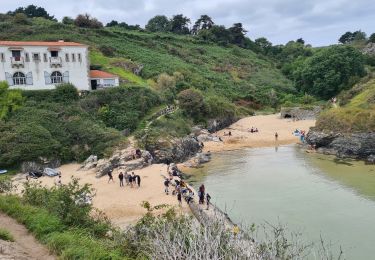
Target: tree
column 32, row 11
column 159, row 23
column 20, row 18
column 10, row 100
column 238, row 34
column 372, row 38
column 167, row 86
column 203, row 23
column 85, row 20
column 217, row 33
column 191, row 102
column 329, row 71
column 179, row 24
column 112, row 23
column 301, row 41
column 67, row 20
column 349, row 37
column 263, row 44
column 359, row 36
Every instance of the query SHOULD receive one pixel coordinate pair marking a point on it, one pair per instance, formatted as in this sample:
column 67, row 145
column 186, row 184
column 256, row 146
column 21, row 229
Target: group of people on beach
column 301, row 134
column 131, row 180
column 182, row 189
column 253, row 130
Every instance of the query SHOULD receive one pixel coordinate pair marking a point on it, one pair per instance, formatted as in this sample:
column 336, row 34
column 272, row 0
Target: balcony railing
column 55, row 61
column 17, row 61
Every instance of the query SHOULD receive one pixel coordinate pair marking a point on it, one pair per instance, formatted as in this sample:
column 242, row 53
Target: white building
column 43, row 65
column 101, row 79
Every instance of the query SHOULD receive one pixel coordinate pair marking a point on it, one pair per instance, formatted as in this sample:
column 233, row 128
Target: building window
column 27, row 58
column 45, row 57
column 67, row 57
column 54, row 54
column 36, row 57
column 16, row 55
column 19, row 78
column 73, row 57
column 79, row 57
column 2, row 57
column 109, row 82
column 56, row 77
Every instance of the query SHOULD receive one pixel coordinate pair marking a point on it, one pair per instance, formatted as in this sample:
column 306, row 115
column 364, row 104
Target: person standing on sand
column 179, row 198
column 201, row 194
column 138, row 180
column 121, row 177
column 130, row 178
column 276, row 136
column 110, row 177
column 126, row 177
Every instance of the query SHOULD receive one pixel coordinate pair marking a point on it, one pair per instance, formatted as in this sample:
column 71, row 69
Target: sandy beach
column 267, row 125
column 123, row 205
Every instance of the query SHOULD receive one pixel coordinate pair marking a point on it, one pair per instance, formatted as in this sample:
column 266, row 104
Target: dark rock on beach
column 355, row 145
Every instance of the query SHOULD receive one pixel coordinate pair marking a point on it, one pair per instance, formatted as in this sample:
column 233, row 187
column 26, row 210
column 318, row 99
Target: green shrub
column 66, row 93
column 5, row 235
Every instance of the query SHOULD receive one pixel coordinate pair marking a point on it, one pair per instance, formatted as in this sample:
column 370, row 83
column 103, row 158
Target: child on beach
column 166, row 186
column 208, row 198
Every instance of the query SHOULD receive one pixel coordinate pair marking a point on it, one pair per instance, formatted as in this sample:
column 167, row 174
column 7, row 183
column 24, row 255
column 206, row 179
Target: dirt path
column 25, row 247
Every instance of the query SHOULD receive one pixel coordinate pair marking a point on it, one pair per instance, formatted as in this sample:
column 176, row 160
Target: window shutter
column 66, row 77
column 29, row 78
column 9, row 78
column 47, row 78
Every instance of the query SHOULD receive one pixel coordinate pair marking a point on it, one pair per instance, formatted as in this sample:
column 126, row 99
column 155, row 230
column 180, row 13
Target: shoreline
column 267, row 125
column 123, row 205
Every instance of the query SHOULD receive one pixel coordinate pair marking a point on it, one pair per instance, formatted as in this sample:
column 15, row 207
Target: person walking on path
column 138, row 180
column 110, row 177
column 276, row 136
column 208, row 198
column 166, row 186
column 121, row 177
column 179, row 198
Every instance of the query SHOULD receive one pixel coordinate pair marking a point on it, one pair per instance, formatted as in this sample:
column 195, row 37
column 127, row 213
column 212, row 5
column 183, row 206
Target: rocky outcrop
column 355, row 145
column 174, row 150
column 217, row 124
column 125, row 159
column 198, row 160
column 300, row 113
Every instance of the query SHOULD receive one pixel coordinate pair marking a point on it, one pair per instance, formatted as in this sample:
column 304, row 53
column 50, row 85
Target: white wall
column 100, row 82
column 78, row 71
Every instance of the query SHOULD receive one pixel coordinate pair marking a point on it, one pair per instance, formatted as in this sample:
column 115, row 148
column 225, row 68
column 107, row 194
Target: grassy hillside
column 356, row 111
column 230, row 71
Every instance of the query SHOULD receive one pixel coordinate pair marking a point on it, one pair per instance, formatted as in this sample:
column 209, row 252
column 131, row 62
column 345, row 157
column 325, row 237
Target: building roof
column 101, row 74
column 39, row 43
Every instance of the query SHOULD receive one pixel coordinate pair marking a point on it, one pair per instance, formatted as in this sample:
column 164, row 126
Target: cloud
column 319, row 22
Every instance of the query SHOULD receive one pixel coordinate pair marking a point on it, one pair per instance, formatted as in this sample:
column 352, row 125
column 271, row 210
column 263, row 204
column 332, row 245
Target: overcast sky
column 318, row 22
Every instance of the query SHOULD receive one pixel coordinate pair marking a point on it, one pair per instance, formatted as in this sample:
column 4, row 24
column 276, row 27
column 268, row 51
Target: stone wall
column 299, row 113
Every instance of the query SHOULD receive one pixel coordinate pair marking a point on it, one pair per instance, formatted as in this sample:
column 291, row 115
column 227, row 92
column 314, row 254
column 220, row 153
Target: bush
column 5, row 235
column 66, row 93
column 191, row 102
column 86, row 21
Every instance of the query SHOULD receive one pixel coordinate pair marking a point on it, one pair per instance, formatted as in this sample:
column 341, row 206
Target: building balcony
column 17, row 62
column 55, row 62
